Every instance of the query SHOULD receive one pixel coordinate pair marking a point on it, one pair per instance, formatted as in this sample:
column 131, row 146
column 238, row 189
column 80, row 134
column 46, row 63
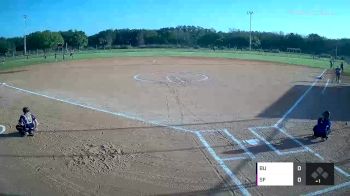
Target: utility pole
column 25, row 32
column 250, row 28
column 336, row 52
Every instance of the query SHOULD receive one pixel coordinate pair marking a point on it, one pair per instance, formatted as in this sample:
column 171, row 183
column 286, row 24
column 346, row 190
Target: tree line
column 181, row 36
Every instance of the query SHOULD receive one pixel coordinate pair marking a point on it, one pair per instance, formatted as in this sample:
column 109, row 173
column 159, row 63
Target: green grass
column 285, row 58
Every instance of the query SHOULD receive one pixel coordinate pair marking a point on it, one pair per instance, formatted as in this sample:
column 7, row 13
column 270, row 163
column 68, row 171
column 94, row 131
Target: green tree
column 4, row 46
column 75, row 39
column 80, row 40
column 256, row 42
column 44, row 40
column 18, row 43
column 150, row 37
column 209, row 39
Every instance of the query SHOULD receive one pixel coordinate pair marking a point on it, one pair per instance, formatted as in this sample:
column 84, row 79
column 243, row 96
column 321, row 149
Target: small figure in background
column 337, row 74
column 71, row 53
column 330, row 63
column 342, row 66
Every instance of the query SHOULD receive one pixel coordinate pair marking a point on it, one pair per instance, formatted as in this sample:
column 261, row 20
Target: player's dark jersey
column 27, row 121
column 337, row 71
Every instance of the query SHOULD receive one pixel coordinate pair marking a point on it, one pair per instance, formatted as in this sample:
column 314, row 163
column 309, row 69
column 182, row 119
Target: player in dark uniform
column 27, row 123
column 330, row 64
column 342, row 66
column 337, row 74
column 323, row 127
column 71, row 53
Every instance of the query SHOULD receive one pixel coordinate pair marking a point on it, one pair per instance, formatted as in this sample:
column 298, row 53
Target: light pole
column 336, row 51
column 25, row 32
column 250, row 28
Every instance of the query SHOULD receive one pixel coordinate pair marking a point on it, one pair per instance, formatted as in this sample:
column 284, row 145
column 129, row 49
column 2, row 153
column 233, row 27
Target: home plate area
column 239, row 151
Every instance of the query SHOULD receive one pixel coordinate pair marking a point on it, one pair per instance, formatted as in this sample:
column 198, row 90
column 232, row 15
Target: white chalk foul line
column 298, row 101
column 312, row 151
column 320, row 76
column 234, row 179
column 324, row 89
column 265, row 141
column 221, row 162
column 2, row 129
column 252, row 129
column 239, row 143
column 234, row 158
column 99, row 109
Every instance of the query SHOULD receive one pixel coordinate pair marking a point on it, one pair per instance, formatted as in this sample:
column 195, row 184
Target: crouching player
column 27, row 123
column 323, row 127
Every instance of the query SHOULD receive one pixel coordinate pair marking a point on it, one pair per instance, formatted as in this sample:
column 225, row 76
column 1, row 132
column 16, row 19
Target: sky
column 325, row 17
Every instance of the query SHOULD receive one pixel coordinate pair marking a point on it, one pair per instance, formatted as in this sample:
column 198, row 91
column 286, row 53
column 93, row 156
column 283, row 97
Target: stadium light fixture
column 250, row 28
column 25, row 17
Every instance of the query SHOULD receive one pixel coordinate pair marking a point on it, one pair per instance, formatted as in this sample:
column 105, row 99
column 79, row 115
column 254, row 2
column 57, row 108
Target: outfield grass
column 286, row 58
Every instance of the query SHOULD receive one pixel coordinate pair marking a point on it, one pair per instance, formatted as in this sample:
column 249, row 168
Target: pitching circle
column 173, row 78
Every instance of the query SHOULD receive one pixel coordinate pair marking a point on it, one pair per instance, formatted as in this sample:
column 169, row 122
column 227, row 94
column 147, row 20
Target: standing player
column 71, row 53
column 330, row 64
column 337, row 74
column 342, row 66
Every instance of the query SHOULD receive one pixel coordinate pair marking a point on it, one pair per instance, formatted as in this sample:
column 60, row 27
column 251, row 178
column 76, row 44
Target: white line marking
column 266, row 142
column 324, row 89
column 298, row 101
column 205, row 77
column 273, row 147
column 169, row 80
column 209, row 130
column 232, row 176
column 210, row 150
column 3, row 129
column 313, row 152
column 252, row 142
column 320, row 76
column 239, row 143
column 176, row 81
column 137, row 77
column 234, row 158
column 341, row 171
column 101, row 110
column 326, row 190
column 293, row 151
column 298, row 142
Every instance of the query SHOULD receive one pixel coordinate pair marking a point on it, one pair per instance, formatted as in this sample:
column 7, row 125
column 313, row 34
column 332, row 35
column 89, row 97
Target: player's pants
column 321, row 133
column 21, row 129
column 337, row 78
